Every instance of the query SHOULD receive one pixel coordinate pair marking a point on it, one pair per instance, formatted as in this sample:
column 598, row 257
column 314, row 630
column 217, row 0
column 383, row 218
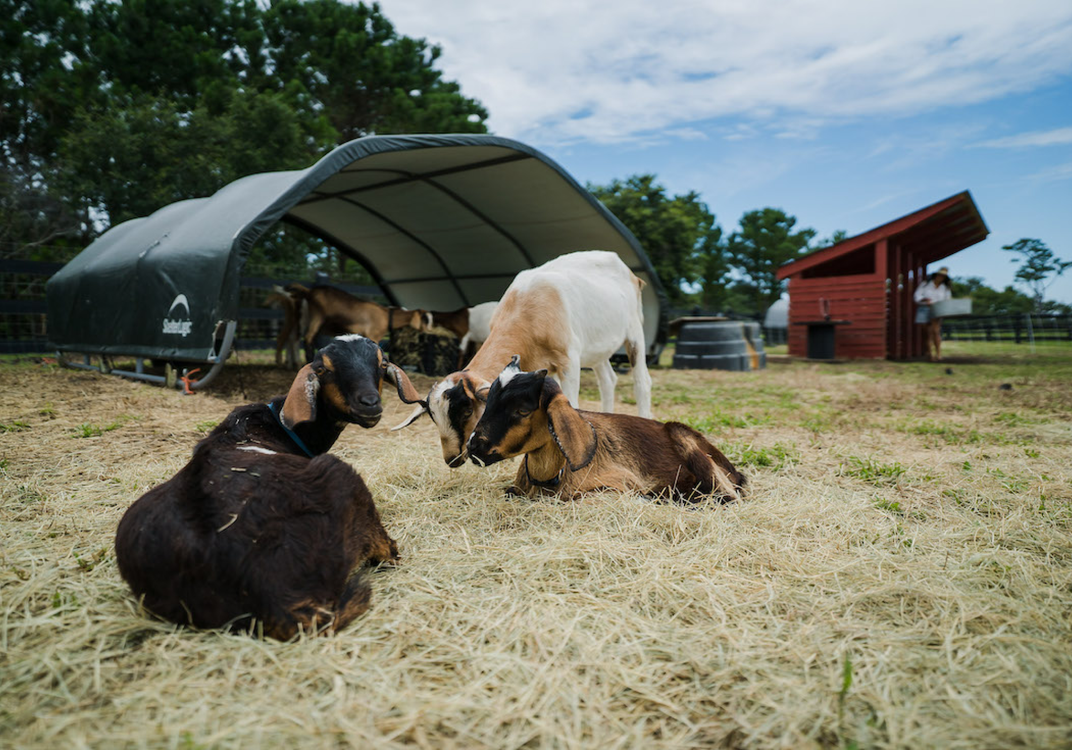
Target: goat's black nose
column 369, row 399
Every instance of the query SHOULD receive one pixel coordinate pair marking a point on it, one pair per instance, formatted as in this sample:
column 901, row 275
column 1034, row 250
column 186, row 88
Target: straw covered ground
column 899, row 575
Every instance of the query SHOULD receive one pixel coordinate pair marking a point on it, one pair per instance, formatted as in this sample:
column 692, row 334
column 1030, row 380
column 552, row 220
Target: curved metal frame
column 138, row 373
column 303, row 190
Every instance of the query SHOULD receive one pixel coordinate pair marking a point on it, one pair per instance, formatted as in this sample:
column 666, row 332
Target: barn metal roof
column 440, row 221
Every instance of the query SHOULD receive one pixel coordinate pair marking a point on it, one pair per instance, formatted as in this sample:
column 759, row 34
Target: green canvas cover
column 440, row 221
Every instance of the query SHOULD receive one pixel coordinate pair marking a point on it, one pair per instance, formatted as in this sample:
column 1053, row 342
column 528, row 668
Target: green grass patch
column 716, row 420
column 949, row 433
column 872, row 471
column 890, row 506
column 1013, row 419
column 773, row 457
column 14, row 426
column 207, row 426
column 1013, row 484
column 86, row 430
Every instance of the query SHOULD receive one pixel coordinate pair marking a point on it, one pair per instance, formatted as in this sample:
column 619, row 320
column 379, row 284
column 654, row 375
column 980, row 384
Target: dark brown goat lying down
column 259, row 526
column 569, row 452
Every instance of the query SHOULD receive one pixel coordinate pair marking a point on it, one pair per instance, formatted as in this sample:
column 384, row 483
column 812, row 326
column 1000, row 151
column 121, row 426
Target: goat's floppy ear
column 397, row 377
column 300, row 404
column 573, row 434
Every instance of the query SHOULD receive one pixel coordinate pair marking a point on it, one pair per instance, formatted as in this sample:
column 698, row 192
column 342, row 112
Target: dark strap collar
column 548, row 483
column 290, row 433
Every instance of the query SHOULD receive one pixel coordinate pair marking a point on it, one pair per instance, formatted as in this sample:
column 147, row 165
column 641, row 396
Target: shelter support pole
column 169, row 378
column 83, row 365
column 220, row 357
column 139, row 375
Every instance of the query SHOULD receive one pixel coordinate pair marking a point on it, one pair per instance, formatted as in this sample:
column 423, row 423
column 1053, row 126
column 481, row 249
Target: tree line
column 109, row 111
column 702, row 266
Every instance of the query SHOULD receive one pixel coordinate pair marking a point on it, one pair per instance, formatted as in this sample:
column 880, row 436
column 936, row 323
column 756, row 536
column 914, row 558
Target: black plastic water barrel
column 719, row 345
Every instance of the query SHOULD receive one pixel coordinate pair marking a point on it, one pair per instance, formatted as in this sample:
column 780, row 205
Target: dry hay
column 881, row 586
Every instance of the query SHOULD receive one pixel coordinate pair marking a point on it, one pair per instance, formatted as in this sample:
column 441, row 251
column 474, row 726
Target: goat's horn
column 422, row 408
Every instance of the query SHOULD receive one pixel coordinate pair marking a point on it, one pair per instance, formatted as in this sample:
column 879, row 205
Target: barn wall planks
column 858, row 299
column 878, row 304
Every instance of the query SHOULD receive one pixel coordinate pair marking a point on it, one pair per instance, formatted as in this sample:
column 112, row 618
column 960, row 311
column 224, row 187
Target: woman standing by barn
column 937, row 288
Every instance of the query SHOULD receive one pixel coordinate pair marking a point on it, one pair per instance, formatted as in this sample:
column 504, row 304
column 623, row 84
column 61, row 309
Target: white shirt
column 935, row 293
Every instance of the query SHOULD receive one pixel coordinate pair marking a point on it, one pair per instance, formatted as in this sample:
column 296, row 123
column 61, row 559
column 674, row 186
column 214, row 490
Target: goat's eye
column 319, row 369
column 522, row 412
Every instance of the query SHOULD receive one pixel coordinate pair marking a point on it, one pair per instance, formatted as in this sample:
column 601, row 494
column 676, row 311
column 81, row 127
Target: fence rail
column 24, row 320
column 1020, row 329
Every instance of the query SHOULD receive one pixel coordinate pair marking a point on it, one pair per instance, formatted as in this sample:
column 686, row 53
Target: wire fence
column 1020, row 329
column 24, row 311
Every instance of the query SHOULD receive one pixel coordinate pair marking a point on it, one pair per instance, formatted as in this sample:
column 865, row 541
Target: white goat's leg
column 637, row 352
column 569, row 378
column 607, row 380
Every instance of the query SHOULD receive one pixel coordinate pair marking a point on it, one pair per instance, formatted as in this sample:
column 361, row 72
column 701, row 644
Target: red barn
column 863, row 285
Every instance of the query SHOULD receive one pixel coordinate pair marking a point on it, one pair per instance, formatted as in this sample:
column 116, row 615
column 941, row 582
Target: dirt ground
column 899, row 575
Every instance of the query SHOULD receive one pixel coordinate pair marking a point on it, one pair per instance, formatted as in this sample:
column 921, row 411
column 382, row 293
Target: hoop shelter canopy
column 440, row 221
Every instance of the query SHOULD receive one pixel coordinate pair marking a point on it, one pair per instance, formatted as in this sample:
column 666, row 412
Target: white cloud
column 1056, row 173
column 687, row 134
column 561, row 71
column 1057, row 137
column 888, row 198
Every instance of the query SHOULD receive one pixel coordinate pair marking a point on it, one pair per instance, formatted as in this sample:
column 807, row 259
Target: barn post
column 882, row 268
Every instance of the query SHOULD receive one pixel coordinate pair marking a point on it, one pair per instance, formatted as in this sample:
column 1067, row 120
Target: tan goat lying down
column 569, row 452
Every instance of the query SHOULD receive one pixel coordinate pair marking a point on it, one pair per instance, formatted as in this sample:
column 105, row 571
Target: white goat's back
column 600, row 296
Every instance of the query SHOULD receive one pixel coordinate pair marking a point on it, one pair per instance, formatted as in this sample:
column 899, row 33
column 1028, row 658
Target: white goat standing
column 573, row 311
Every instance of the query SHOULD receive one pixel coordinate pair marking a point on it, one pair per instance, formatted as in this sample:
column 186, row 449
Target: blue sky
column 843, row 114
